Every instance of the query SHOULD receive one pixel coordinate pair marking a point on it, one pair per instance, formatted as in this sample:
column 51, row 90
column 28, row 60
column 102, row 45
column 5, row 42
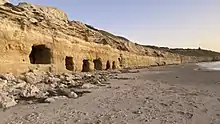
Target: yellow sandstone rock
column 38, row 37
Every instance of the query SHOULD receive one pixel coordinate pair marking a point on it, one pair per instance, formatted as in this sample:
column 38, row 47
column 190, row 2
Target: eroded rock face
column 39, row 37
column 3, row 2
column 37, row 13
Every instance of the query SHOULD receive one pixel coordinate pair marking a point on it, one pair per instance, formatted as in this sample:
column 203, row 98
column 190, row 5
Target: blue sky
column 172, row 23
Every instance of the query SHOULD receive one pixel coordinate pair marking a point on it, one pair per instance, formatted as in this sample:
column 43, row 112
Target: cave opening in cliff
column 97, row 64
column 108, row 65
column 120, row 62
column 113, row 65
column 85, row 67
column 40, row 54
column 69, row 63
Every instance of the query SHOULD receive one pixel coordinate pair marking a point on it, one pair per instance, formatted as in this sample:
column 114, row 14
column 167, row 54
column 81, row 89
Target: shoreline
column 214, row 66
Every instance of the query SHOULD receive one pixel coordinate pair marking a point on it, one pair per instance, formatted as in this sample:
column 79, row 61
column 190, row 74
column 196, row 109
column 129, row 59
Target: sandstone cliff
column 34, row 36
column 3, row 1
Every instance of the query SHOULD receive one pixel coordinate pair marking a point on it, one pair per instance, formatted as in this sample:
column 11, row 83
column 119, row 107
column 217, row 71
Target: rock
column 88, row 75
column 118, row 87
column 33, row 78
column 51, row 80
column 137, row 112
column 49, row 100
column 72, row 83
column 69, row 78
column 189, row 115
column 63, row 85
column 54, row 85
column 88, row 86
column 67, row 74
column 35, row 86
column 67, row 92
column 73, row 95
column 20, row 85
column 61, row 77
column 6, row 101
column 123, row 77
column 33, row 20
column 8, row 77
column 19, row 81
column 129, row 71
column 30, row 78
column 53, row 99
column 77, row 77
column 98, row 83
column 109, row 87
column 3, row 83
column 30, row 91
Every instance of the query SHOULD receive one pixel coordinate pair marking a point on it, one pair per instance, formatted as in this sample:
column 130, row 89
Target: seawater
column 210, row 65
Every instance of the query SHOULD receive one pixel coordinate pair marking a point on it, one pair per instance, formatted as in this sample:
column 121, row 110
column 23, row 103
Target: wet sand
column 179, row 94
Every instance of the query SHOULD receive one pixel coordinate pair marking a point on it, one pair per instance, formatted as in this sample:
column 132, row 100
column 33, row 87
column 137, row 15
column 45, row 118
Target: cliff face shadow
column 40, row 54
column 97, row 64
column 69, row 63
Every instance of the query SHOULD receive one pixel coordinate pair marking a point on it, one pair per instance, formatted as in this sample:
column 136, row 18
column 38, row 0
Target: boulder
column 62, row 85
column 8, row 77
column 77, row 77
column 19, row 85
column 71, row 83
column 73, row 95
column 6, row 101
column 33, row 20
column 32, row 78
column 88, row 86
column 66, row 92
column 3, row 83
column 49, row 100
column 54, row 98
column 30, row 91
column 51, row 80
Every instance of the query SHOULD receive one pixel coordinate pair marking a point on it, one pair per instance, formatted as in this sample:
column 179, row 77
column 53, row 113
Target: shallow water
column 210, row 65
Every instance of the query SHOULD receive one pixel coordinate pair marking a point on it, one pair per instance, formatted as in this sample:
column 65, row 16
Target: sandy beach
column 175, row 94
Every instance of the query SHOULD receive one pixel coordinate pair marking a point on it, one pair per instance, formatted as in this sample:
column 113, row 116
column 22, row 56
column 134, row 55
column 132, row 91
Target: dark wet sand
column 179, row 94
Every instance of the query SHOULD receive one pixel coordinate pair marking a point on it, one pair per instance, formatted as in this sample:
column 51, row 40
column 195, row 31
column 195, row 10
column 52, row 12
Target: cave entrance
column 97, row 64
column 120, row 62
column 40, row 54
column 69, row 63
column 108, row 65
column 85, row 67
column 113, row 65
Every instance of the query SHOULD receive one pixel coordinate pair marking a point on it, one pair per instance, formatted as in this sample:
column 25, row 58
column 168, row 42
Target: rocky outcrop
column 48, row 87
column 43, row 38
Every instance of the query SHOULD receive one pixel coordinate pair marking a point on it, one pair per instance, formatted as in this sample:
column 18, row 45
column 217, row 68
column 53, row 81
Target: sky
column 168, row 23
